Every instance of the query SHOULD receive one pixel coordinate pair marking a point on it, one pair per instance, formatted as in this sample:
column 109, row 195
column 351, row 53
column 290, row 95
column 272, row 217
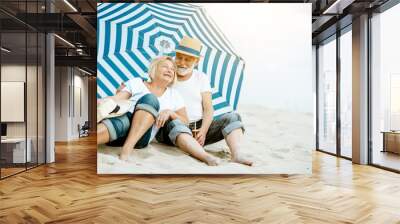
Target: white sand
column 277, row 141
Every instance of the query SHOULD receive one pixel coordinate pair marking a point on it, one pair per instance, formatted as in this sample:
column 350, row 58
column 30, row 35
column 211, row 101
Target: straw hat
column 189, row 46
column 111, row 108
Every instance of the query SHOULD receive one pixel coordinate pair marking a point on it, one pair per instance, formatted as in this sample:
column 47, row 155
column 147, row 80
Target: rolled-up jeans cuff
column 232, row 126
column 178, row 128
column 111, row 130
column 148, row 108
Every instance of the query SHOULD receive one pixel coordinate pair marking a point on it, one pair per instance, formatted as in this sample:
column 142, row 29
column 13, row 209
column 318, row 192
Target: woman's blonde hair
column 156, row 62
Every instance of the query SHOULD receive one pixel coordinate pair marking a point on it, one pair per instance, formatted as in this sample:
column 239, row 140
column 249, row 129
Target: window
column 327, row 96
column 385, row 89
column 346, row 93
column 22, row 76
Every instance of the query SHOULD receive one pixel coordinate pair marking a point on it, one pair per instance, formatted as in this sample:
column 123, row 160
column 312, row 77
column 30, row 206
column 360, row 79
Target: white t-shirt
column 191, row 90
column 170, row 100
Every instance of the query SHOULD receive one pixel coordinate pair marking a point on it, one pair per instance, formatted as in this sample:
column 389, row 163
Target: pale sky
column 275, row 41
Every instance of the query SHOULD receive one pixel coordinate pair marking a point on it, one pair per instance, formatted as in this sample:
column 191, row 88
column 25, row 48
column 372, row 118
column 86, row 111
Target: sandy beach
column 279, row 142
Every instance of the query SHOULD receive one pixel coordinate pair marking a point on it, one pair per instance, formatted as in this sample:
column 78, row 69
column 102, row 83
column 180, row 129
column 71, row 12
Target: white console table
column 18, row 149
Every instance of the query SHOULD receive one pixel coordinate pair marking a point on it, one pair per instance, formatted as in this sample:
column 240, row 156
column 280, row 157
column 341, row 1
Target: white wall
column 69, row 81
column 80, row 83
column 61, row 103
column 275, row 42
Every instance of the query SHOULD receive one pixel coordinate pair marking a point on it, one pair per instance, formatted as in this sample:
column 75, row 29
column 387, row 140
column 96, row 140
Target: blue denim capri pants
column 118, row 127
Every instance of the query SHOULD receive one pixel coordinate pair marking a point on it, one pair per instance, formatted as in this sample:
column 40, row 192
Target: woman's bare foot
column 242, row 160
column 211, row 160
column 125, row 153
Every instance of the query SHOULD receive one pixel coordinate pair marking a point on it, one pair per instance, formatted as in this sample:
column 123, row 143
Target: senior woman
column 152, row 104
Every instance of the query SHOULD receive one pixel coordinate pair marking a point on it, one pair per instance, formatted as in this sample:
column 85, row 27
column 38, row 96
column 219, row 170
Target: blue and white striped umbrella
column 130, row 35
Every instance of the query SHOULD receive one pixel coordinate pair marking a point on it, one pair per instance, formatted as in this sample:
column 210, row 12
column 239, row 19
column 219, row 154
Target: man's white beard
column 185, row 71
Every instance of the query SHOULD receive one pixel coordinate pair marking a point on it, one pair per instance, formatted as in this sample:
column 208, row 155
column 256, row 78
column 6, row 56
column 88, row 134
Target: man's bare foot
column 244, row 161
column 124, row 154
column 212, row 161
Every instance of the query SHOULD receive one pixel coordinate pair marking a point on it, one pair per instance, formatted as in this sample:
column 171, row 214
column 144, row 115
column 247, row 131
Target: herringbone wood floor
column 70, row 191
